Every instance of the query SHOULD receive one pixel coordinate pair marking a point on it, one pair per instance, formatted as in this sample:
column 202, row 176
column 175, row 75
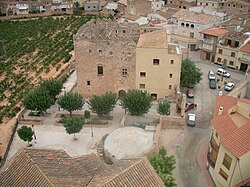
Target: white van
column 223, row 72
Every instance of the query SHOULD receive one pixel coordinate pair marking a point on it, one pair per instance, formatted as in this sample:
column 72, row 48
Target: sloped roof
column 47, row 168
column 194, row 17
column 238, row 142
column 214, row 31
column 246, row 47
column 233, row 129
column 156, row 39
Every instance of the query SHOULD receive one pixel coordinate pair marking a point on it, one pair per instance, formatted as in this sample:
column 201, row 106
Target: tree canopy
column 137, row 102
column 53, row 86
column 102, row 105
column 164, row 166
column 25, row 133
column 190, row 74
column 73, row 125
column 38, row 99
column 71, row 102
column 163, row 107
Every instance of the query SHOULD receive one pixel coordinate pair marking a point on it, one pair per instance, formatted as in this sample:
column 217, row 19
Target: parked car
column 211, row 75
column 190, row 105
column 191, row 119
column 229, row 86
column 212, row 84
column 223, row 72
column 190, row 93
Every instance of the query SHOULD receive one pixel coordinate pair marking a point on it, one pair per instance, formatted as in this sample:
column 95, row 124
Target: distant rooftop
column 194, row 17
column 214, row 31
column 156, row 39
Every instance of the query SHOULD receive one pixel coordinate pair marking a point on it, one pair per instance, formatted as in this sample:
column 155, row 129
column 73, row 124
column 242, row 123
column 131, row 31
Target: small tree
column 73, row 125
column 71, row 102
column 190, row 74
column 164, row 166
column 38, row 99
column 53, row 86
column 102, row 105
column 163, row 107
column 26, row 134
column 137, row 102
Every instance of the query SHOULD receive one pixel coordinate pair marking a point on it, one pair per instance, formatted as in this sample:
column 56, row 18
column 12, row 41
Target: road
column 192, row 147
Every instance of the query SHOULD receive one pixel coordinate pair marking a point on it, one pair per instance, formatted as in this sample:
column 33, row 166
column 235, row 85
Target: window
column 206, row 4
column 88, row 6
column 229, row 42
column 182, row 24
column 129, row 54
column 220, row 51
column 191, row 35
column 110, row 53
column 124, row 71
column 218, row 59
column 187, row 25
column 100, row 51
column 223, row 174
column 212, row 4
column 142, row 74
column 169, row 87
column 94, row 6
column 192, row 26
column 227, row 161
column 232, row 54
column 231, row 63
column 142, row 86
column 156, row 61
column 236, row 44
column 124, row 31
column 88, row 83
column 100, row 70
column 172, row 61
column 90, row 51
column 170, row 75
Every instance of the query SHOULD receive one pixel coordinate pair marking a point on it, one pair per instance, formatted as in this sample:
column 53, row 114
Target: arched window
column 192, row 26
column 182, row 24
column 187, row 25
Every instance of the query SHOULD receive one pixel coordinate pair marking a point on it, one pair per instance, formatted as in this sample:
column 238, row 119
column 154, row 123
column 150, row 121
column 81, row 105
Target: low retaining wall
column 172, row 122
column 30, row 122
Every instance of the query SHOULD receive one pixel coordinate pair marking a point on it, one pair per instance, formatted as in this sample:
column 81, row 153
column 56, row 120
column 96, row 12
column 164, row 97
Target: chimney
column 220, row 111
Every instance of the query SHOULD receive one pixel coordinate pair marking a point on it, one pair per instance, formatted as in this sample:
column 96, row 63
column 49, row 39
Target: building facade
column 158, row 65
column 209, row 42
column 244, row 57
column 229, row 147
column 139, row 7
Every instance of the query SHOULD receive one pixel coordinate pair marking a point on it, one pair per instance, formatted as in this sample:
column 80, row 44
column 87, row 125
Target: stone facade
column 105, row 57
column 139, row 7
column 235, row 7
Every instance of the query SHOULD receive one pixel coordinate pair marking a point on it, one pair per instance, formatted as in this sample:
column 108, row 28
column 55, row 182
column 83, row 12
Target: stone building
column 139, row 7
column 105, row 57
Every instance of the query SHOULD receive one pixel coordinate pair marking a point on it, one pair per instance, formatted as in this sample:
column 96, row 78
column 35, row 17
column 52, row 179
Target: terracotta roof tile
column 238, row 142
column 226, row 101
column 194, row 17
column 215, row 31
column 156, row 39
column 246, row 47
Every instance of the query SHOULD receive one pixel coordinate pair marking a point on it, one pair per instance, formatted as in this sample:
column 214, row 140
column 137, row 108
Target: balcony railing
column 214, row 144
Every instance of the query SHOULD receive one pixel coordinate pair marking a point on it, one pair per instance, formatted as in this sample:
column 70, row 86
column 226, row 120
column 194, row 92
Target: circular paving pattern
column 128, row 141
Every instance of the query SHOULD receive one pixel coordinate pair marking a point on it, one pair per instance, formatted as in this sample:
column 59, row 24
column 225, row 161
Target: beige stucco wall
column 243, row 57
column 243, row 109
column 237, row 166
column 157, row 78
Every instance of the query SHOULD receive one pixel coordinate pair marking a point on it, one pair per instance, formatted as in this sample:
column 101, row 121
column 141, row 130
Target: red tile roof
column 234, row 137
column 238, row 142
column 215, row 31
column 246, row 47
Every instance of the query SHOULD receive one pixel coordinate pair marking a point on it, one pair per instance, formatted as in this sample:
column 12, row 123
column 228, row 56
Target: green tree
column 164, row 166
column 102, row 105
column 53, row 86
column 26, row 134
column 163, row 108
column 137, row 102
column 73, row 125
column 38, row 99
column 71, row 102
column 190, row 74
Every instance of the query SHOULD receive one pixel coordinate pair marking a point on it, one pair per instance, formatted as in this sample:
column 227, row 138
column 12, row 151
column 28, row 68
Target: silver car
column 229, row 86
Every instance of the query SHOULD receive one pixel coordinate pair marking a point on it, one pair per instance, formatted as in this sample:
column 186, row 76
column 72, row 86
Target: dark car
column 212, row 84
column 190, row 105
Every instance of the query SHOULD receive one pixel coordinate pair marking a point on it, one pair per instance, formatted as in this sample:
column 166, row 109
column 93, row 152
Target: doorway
column 243, row 67
column 154, row 96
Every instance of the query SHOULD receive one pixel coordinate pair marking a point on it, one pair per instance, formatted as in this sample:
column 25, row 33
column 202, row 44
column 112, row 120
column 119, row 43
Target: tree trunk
column 70, row 113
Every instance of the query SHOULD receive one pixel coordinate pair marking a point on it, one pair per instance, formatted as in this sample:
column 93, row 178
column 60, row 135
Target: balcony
column 207, row 47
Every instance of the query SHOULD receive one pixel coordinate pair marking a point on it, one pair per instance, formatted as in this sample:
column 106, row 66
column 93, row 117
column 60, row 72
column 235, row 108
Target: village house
column 189, row 25
column 155, row 59
column 209, row 3
column 229, row 146
column 209, row 42
column 228, row 48
column 244, row 57
column 180, row 4
column 235, row 7
column 139, row 7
